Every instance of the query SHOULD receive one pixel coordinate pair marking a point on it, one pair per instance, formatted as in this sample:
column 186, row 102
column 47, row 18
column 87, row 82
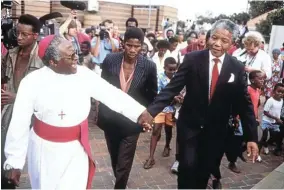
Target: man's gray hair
column 227, row 25
column 52, row 52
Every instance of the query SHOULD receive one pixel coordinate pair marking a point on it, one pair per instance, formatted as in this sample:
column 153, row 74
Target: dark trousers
column 196, row 159
column 122, row 151
column 232, row 149
column 275, row 136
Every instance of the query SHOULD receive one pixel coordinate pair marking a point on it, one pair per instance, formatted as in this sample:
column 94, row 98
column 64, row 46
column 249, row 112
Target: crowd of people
column 196, row 84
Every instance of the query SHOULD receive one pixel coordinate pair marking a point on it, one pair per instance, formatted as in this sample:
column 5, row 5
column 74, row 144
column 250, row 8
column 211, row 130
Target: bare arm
column 95, row 51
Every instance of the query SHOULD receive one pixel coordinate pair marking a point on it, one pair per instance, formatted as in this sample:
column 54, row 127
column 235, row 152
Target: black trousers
column 275, row 136
column 232, row 149
column 122, row 151
column 197, row 156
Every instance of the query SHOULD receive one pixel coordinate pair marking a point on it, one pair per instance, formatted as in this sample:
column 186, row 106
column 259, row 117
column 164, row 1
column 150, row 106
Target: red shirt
column 254, row 95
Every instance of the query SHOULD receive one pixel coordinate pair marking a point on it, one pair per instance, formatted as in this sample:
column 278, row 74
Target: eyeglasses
column 73, row 57
column 23, row 34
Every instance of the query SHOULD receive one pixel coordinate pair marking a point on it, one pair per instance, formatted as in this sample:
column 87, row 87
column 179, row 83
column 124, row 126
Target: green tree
column 265, row 26
column 234, row 17
column 260, row 7
column 240, row 17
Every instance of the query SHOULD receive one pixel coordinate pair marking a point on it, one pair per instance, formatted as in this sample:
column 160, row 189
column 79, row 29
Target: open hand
column 252, row 150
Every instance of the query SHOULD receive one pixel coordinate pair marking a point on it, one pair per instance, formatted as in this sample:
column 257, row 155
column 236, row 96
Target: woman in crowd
column 277, row 67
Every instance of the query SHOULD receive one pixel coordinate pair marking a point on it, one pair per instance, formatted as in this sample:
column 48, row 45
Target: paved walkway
column 160, row 177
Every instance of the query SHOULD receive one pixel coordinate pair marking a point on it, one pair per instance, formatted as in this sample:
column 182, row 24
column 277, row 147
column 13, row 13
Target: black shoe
column 234, row 168
column 277, row 152
column 217, row 184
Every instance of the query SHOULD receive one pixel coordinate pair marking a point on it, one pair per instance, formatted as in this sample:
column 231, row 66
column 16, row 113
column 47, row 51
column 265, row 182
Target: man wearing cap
column 19, row 62
column 59, row 154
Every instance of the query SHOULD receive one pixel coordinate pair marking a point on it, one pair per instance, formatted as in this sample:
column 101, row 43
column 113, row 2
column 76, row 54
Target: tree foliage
column 265, row 26
column 260, row 7
column 234, row 17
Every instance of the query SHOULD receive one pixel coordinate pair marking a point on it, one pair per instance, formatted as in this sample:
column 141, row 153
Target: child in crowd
column 271, row 117
column 87, row 57
column 278, row 149
column 179, row 99
column 254, row 89
column 145, row 51
column 165, row 118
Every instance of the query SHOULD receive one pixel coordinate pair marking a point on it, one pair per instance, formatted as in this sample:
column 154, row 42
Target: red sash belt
column 66, row 134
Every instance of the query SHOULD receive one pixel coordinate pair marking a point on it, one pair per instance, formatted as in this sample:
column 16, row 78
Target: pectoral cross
column 61, row 114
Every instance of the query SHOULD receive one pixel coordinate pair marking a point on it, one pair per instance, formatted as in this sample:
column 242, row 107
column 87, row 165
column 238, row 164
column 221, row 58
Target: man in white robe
column 58, row 95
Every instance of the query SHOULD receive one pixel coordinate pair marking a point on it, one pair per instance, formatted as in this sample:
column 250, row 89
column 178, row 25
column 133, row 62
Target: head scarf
column 276, row 51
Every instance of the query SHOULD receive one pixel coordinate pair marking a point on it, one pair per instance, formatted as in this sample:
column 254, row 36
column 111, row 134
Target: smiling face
column 68, row 59
column 220, row 42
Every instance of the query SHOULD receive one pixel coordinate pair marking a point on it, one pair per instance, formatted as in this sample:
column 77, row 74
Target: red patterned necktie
column 215, row 76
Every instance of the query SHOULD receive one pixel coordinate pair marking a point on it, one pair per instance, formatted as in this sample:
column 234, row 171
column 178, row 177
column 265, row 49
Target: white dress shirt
column 211, row 65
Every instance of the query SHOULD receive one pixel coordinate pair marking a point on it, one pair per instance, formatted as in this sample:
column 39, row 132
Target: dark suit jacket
column 143, row 89
column 197, row 113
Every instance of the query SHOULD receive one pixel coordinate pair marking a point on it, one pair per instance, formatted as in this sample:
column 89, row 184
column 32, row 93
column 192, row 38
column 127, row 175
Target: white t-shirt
column 273, row 107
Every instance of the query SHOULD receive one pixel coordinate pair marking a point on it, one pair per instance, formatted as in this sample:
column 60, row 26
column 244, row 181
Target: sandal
column 149, row 164
column 166, row 152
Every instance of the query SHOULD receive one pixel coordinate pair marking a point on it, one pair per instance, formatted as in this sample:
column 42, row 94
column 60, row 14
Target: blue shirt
column 105, row 48
column 163, row 81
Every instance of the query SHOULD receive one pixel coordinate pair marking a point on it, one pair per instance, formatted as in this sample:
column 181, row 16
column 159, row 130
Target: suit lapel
column 117, row 66
column 203, row 72
column 138, row 73
column 116, row 70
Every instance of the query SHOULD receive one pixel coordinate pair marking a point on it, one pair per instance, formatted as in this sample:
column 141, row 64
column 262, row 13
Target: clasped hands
column 145, row 120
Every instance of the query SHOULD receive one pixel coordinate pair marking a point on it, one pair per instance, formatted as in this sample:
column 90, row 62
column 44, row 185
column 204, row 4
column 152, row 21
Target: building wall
column 33, row 7
column 118, row 12
column 141, row 13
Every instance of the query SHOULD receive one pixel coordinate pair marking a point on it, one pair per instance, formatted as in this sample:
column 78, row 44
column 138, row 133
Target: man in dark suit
column 214, row 83
column 137, row 76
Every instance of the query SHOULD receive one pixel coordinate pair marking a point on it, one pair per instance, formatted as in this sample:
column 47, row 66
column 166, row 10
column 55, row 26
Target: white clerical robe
column 61, row 101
